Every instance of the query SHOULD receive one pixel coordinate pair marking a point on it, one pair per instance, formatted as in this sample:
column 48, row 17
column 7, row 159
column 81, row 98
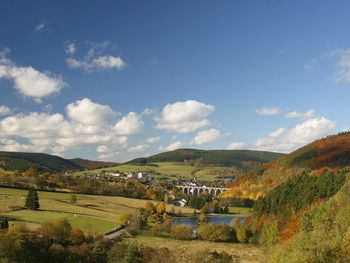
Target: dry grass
column 185, row 250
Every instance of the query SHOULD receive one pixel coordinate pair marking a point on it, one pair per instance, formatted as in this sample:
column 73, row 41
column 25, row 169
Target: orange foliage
column 289, row 229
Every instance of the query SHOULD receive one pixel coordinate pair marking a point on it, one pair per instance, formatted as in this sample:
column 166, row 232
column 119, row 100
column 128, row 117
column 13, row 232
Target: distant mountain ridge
column 211, row 157
column 21, row 161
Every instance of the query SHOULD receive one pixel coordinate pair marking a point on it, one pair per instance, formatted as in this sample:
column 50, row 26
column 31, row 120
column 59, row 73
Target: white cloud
column 28, row 81
column 70, row 48
column 129, row 124
column 277, row 133
column 268, row 111
column 4, row 110
column 343, row 71
column 183, row 117
column 138, row 148
column 171, row 147
column 300, row 115
column 236, row 146
column 303, row 133
column 149, row 112
column 153, row 140
column 95, row 59
column 87, row 112
column 88, row 124
column 206, row 136
column 39, row 27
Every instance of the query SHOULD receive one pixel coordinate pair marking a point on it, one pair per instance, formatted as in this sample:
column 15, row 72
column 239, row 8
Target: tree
column 125, row 218
column 181, row 232
column 161, row 208
column 73, row 199
column 4, row 223
column 32, row 200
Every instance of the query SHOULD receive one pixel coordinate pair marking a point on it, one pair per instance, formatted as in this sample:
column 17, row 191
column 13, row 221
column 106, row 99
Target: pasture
column 94, row 213
column 170, row 170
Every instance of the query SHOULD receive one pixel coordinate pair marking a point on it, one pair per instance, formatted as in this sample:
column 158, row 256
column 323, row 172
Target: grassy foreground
column 184, row 250
column 91, row 212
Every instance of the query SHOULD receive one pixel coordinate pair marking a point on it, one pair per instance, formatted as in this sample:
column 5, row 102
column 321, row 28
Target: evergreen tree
column 4, row 223
column 32, row 200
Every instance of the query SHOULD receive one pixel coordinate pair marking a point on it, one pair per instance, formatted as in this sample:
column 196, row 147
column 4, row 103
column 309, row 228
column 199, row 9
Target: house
column 142, row 175
column 178, row 202
column 131, row 175
column 113, row 174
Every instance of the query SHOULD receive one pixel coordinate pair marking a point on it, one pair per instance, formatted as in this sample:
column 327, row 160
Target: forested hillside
column 239, row 158
column 21, row 161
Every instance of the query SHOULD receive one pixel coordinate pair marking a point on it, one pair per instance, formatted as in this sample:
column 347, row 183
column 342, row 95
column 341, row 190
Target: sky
column 115, row 80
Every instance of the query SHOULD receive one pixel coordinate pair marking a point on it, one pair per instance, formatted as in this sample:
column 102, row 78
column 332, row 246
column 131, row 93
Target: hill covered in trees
column 332, row 151
column 238, row 158
column 12, row 161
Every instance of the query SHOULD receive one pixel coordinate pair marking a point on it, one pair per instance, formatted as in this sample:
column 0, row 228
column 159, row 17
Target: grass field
column 91, row 212
column 184, row 250
column 170, row 170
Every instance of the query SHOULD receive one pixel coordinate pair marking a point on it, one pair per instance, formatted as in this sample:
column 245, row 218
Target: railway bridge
column 196, row 190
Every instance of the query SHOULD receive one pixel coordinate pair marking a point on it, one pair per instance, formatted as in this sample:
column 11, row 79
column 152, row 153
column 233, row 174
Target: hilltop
column 21, row 161
column 318, row 157
column 238, row 158
column 332, row 151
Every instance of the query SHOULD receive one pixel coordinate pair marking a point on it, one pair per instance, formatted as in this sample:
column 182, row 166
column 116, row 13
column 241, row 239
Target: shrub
column 243, row 234
column 4, row 223
column 207, row 256
column 181, row 232
column 212, row 232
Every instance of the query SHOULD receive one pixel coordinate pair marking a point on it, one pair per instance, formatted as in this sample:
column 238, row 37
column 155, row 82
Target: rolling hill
column 332, row 151
column 21, row 161
column 238, row 158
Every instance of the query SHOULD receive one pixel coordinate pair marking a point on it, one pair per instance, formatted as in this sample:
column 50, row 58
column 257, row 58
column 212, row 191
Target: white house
column 142, row 175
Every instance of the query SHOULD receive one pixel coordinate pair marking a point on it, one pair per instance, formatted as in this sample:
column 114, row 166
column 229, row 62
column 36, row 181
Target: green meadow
column 173, row 170
column 91, row 212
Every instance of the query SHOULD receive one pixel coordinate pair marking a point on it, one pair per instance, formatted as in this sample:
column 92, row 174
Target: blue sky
column 76, row 79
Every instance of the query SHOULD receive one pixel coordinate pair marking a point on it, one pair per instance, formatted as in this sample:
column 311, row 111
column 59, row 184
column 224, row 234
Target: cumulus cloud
column 268, row 111
column 130, row 124
column 153, row 140
column 300, row 115
column 184, row 116
column 88, row 124
column 236, row 146
column 28, row 81
column 70, row 48
column 95, row 59
column 171, row 147
column 138, row 148
column 87, row 112
column 277, row 133
column 4, row 110
column 206, row 136
column 285, row 140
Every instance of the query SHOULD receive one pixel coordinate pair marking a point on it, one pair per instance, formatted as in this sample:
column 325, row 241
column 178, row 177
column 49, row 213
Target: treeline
column 226, row 158
column 299, row 192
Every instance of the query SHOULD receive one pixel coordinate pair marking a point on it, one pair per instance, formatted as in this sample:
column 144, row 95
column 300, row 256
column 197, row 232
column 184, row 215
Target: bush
column 4, row 223
column 217, row 233
column 243, row 234
column 181, row 232
column 207, row 256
